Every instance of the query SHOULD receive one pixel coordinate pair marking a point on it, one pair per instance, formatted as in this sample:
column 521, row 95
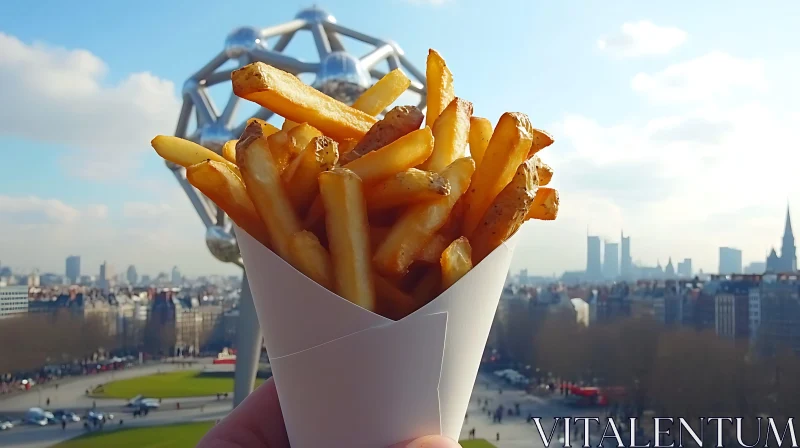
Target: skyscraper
column 177, row 279
column 626, row 264
column 132, row 276
column 685, row 268
column 611, row 261
column 106, row 279
column 73, row 269
column 730, row 261
column 594, row 267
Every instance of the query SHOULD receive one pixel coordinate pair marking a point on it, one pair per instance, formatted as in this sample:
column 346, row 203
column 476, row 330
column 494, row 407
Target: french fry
column 280, row 145
column 433, row 250
column 429, row 287
column 480, row 132
column 286, row 95
column 383, row 93
column 450, row 134
column 406, row 152
column 456, row 261
column 544, row 171
column 266, row 128
column 406, row 187
column 300, row 136
column 300, row 177
column 545, row 205
column 288, row 125
column 452, row 228
column 398, row 122
column 262, row 178
column 229, row 150
column 308, row 256
column 219, row 183
column 400, row 155
column 440, row 86
column 417, row 226
column 348, row 235
column 393, row 302
column 507, row 149
column 541, row 140
column 347, row 145
column 185, row 152
column 507, row 212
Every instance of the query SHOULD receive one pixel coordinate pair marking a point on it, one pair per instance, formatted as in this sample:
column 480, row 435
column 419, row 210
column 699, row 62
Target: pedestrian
column 466, row 417
column 48, row 401
column 63, row 424
column 178, row 405
column 498, row 437
column 120, row 422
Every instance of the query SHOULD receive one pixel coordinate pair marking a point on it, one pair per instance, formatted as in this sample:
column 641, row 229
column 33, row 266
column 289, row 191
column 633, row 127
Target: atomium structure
column 336, row 73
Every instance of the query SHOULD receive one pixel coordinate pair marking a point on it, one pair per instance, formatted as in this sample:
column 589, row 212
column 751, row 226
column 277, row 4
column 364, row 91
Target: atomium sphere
column 222, row 244
column 315, row 15
column 342, row 76
column 241, row 40
column 214, row 135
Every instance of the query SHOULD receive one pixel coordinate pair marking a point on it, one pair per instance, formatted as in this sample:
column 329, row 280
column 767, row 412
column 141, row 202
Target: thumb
column 429, row 442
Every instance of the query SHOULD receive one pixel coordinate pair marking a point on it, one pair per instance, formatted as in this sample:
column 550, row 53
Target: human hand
column 258, row 423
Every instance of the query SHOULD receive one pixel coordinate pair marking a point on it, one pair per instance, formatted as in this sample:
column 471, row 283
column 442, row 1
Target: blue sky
column 670, row 129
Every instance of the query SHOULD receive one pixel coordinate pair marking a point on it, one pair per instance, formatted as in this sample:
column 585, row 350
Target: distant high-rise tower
column 669, row 271
column 106, row 279
column 132, row 276
column 611, row 261
column 177, row 278
column 73, row 269
column 730, row 261
column 626, row 264
column 685, row 268
column 594, row 267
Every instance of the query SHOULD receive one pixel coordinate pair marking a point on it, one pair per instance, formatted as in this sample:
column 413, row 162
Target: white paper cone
column 347, row 377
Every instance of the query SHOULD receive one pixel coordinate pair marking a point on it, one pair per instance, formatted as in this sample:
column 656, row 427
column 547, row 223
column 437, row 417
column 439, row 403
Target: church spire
column 787, row 230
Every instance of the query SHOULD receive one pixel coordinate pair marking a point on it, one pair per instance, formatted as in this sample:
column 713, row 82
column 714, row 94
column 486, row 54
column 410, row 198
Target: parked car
column 66, row 415
column 36, row 417
column 5, row 423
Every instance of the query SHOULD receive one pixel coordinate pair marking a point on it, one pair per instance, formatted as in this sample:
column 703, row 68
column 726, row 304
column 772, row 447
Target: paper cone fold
column 348, row 377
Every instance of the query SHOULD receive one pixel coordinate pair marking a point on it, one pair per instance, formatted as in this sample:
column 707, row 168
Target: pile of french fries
column 386, row 213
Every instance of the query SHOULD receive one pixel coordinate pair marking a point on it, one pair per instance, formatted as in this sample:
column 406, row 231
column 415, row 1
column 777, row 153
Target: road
column 71, row 395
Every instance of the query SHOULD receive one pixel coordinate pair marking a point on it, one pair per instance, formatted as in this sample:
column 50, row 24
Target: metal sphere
column 214, row 135
column 315, row 15
column 222, row 244
column 241, row 40
column 342, row 76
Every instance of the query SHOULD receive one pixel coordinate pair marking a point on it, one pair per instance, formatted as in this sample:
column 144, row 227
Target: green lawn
column 170, row 385
column 170, row 436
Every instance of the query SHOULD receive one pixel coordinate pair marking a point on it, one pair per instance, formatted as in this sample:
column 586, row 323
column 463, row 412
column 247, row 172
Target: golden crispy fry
column 308, row 256
column 507, row 212
column 288, row 125
column 392, row 302
column 280, row 145
column 545, row 205
column 348, row 235
column 544, row 171
column 289, row 97
column 404, row 153
column 450, row 133
column 383, row 93
column 406, row 187
column 185, row 152
column 507, row 149
column 456, row 261
column 300, row 136
column 480, row 132
column 440, row 86
column 262, row 178
column 398, row 122
column 229, row 150
column 219, row 183
column 541, row 140
column 300, row 177
column 418, row 225
column 429, row 287
column 432, row 251
column 266, row 128
column 452, row 228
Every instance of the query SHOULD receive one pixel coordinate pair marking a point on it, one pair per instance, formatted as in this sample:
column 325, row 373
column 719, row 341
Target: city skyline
column 655, row 115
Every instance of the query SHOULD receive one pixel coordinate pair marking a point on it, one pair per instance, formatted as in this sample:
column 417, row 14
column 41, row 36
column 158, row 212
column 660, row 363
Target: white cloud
column 642, row 38
column 711, row 76
column 59, row 96
column 97, row 211
column 145, row 210
column 32, row 210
